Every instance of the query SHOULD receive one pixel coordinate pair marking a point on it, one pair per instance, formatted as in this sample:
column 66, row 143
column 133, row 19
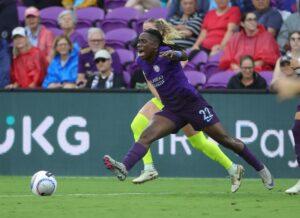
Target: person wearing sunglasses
column 104, row 77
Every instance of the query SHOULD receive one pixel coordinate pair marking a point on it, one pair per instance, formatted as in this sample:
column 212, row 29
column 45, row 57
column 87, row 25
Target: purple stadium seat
column 49, row 16
column 120, row 38
column 216, row 57
column 126, row 57
column 196, row 78
column 219, row 80
column 120, row 18
column 55, row 30
column 152, row 13
column 267, row 75
column 127, row 77
column 84, row 33
column 198, row 62
column 88, row 17
column 21, row 13
column 112, row 4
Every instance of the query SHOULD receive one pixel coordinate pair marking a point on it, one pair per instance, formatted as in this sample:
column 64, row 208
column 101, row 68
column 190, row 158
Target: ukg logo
column 37, row 134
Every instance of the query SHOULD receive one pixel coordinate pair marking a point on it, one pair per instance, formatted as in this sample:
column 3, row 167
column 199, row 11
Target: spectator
column 268, row 16
column 38, row 35
column 67, row 22
column 203, row 6
column 247, row 78
column 143, row 5
column 291, row 24
column 9, row 14
column 289, row 64
column 87, row 66
column 189, row 24
column 105, row 77
column 77, row 4
column 40, row 4
column 62, row 70
column 218, row 27
column 29, row 64
column 175, row 9
column 253, row 40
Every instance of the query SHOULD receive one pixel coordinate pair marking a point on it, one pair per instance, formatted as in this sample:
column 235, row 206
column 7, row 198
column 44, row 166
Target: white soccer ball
column 43, row 183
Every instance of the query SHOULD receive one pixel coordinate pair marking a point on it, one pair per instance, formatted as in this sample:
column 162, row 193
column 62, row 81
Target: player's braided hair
column 160, row 39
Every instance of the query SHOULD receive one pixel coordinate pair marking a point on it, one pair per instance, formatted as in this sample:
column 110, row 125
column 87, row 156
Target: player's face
column 147, row 47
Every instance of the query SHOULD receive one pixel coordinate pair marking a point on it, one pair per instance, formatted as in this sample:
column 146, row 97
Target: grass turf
column 162, row 198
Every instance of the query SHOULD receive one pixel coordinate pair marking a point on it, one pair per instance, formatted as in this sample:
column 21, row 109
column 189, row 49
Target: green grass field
column 162, row 198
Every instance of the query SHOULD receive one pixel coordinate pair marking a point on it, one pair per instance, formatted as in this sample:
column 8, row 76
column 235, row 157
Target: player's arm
column 152, row 89
column 174, row 55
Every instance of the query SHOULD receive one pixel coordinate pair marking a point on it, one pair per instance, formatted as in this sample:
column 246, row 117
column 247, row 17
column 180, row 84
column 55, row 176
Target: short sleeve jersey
column 216, row 26
column 170, row 82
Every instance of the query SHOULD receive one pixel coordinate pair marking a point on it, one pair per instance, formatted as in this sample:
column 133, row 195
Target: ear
column 242, row 24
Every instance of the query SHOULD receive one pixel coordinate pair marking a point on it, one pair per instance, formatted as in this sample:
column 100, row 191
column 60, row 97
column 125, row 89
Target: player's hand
column 169, row 54
column 287, row 88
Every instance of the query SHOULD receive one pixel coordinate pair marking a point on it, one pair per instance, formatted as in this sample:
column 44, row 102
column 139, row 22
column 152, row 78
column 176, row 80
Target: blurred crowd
column 89, row 43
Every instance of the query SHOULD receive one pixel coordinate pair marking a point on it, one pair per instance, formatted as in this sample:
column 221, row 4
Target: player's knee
column 135, row 126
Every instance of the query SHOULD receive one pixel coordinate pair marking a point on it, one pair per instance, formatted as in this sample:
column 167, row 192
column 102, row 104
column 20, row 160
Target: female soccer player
column 196, row 139
column 182, row 105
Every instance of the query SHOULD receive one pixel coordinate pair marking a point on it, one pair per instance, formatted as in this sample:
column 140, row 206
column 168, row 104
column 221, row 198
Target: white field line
column 112, row 194
column 134, row 194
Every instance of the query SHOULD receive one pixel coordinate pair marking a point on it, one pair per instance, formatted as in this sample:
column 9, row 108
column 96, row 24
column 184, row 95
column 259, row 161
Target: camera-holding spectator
column 29, row 63
column 38, row 35
column 67, row 21
column 289, row 64
column 62, row 70
column 253, row 40
column 104, row 77
column 247, row 78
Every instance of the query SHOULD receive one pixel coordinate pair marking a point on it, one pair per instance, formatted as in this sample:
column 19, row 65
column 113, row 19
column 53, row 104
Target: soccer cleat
column 116, row 167
column 267, row 178
column 294, row 190
column 146, row 175
column 236, row 178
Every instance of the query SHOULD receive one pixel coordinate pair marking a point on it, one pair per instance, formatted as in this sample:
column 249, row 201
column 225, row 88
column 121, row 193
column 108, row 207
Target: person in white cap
column 104, row 78
column 38, row 35
column 29, row 64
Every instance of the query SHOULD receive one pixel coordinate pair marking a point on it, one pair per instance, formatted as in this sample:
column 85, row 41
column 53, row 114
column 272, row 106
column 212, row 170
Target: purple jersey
column 170, row 82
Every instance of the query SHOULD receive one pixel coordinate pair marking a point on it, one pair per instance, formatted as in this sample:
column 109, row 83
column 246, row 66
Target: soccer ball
column 43, row 183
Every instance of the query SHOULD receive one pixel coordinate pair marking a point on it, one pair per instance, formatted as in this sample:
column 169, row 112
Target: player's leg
column 199, row 141
column 139, row 123
column 296, row 133
column 159, row 127
column 218, row 133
